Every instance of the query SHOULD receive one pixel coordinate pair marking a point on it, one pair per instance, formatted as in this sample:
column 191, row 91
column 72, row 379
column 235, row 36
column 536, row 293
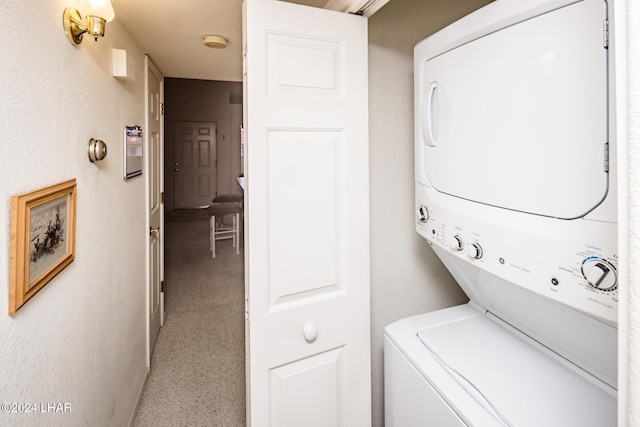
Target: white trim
column 619, row 46
column 362, row 7
column 143, row 386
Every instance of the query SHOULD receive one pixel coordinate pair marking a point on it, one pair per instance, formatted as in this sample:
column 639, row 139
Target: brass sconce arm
column 96, row 14
column 75, row 26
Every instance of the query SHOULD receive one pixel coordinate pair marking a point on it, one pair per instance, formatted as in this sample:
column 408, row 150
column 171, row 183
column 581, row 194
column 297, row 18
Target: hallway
column 197, row 369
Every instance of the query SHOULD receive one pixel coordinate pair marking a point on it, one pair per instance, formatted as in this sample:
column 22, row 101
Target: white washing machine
column 515, row 193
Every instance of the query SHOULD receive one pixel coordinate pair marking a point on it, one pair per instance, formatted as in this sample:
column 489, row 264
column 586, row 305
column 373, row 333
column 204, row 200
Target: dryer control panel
column 573, row 262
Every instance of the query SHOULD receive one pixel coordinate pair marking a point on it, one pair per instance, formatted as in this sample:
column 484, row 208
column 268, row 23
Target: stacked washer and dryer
column 515, row 192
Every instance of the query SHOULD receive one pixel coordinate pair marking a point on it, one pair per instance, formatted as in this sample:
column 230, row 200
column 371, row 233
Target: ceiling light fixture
column 215, row 42
column 96, row 12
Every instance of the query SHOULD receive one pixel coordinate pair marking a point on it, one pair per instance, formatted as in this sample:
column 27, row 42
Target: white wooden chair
column 223, row 205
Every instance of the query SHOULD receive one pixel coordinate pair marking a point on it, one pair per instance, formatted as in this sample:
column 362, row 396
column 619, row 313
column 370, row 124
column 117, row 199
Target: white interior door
column 152, row 132
column 307, row 220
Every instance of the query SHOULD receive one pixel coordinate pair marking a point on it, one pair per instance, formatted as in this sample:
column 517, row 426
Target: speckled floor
column 197, row 369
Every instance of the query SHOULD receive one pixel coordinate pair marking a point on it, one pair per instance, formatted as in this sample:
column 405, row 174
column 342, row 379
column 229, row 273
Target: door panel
column 306, row 65
column 306, row 221
column 305, row 186
column 194, row 169
column 291, row 408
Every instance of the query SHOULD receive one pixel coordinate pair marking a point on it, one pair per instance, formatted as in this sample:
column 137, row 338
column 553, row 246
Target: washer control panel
column 573, row 262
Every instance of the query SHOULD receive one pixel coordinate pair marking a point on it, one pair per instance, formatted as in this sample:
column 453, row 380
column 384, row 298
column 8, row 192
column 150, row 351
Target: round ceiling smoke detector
column 216, row 42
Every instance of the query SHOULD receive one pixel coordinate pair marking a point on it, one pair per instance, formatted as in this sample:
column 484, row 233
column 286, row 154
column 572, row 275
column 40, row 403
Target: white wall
column 81, row 339
column 406, row 276
column 632, row 335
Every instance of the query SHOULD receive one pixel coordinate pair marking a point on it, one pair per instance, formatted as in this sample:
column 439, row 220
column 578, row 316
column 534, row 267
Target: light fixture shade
column 215, row 42
column 100, row 8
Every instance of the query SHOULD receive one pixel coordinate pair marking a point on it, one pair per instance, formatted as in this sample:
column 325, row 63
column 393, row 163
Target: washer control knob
column 474, row 250
column 600, row 274
column 423, row 214
column 456, row 243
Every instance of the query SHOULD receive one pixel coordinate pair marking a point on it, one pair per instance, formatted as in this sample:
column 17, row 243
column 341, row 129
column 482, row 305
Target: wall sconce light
column 96, row 14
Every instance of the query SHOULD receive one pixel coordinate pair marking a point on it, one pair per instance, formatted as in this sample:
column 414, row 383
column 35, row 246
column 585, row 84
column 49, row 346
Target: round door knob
column 310, row 332
column 474, row 250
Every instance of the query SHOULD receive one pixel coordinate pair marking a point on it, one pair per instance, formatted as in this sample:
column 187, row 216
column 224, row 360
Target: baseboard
column 143, row 386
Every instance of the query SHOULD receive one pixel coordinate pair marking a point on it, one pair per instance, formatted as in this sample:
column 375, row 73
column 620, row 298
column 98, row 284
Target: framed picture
column 43, row 233
column 132, row 151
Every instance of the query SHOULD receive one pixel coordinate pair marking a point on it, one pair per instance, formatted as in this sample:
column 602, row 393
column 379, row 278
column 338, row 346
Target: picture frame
column 43, row 224
column 133, row 144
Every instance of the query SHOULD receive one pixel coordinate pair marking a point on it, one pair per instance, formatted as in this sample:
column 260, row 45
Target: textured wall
column 81, row 339
column 633, row 76
column 406, row 276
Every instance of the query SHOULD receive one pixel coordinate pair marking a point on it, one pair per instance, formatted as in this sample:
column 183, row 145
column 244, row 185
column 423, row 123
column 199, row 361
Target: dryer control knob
column 474, row 250
column 457, row 243
column 423, row 214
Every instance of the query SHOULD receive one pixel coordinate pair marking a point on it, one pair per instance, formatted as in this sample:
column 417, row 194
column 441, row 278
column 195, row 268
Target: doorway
column 197, row 107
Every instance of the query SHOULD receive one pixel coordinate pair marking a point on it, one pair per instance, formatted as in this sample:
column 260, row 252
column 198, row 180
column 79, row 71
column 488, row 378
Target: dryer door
column 518, row 118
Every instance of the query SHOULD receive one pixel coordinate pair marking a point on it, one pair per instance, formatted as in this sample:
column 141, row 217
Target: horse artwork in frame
column 42, row 239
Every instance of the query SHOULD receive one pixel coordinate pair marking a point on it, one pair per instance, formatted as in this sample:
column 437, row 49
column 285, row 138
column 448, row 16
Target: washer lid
column 518, row 118
column 519, row 381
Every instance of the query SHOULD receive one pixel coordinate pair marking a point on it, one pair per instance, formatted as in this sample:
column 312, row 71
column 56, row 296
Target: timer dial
column 600, row 274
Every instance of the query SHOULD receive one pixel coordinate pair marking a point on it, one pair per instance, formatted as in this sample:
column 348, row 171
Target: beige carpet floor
column 197, row 369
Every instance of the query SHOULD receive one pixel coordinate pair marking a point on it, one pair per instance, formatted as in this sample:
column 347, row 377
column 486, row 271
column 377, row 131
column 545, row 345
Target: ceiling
column 171, row 33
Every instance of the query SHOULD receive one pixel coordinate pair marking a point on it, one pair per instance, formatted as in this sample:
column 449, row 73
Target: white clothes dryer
column 514, row 192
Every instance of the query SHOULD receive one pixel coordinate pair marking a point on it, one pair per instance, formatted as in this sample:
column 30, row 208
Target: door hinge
column 162, row 197
column 162, row 108
column 605, row 33
column 246, row 306
column 606, row 157
column 162, row 286
column 244, row 62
